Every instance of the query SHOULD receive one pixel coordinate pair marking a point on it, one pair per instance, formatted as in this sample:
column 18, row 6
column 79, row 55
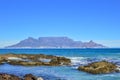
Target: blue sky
column 85, row 20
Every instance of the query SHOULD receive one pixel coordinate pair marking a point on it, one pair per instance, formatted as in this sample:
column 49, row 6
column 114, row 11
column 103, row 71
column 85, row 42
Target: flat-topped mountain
column 54, row 42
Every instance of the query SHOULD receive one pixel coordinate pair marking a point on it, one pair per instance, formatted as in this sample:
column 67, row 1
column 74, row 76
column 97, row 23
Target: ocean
column 77, row 56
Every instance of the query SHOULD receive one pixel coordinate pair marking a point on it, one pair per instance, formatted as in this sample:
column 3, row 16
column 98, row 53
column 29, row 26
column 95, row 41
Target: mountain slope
column 54, row 42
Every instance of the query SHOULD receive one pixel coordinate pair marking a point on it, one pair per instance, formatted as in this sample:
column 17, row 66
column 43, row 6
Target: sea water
column 78, row 57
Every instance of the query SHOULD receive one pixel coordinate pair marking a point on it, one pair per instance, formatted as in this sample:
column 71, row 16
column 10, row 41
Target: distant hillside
column 54, row 42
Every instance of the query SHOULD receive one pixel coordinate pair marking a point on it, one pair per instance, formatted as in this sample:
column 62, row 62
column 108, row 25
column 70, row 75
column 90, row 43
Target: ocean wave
column 115, row 60
column 77, row 61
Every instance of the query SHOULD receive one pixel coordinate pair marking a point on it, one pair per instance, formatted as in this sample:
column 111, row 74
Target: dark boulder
column 4, row 76
column 29, row 77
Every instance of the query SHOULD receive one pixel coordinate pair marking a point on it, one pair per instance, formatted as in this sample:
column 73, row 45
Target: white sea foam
column 111, row 75
column 14, row 58
column 78, row 60
column 40, row 78
column 17, row 59
column 45, row 60
column 118, row 68
column 114, row 60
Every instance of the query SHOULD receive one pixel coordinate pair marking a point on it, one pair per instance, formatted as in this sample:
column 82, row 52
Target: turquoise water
column 77, row 56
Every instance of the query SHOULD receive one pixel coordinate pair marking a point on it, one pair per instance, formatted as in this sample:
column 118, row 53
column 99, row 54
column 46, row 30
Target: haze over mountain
column 54, row 42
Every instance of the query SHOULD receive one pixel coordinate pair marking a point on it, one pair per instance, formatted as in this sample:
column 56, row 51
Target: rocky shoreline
column 101, row 67
column 30, row 60
column 5, row 76
column 33, row 60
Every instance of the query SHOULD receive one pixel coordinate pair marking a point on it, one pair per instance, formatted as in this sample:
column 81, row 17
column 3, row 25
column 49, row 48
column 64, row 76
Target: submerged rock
column 101, row 67
column 33, row 60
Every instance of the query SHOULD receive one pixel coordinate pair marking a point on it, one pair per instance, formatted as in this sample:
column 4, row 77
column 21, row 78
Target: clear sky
column 97, row 20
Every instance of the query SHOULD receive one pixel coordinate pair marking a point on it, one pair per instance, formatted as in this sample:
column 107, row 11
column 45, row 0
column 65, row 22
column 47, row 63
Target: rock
column 25, row 63
column 101, row 67
column 60, row 61
column 63, row 61
column 2, row 60
column 33, row 60
column 29, row 77
column 54, row 62
column 4, row 76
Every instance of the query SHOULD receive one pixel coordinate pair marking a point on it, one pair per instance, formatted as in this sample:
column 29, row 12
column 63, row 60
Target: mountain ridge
column 54, row 42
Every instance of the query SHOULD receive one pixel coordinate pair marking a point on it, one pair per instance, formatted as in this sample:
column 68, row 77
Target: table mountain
column 54, row 42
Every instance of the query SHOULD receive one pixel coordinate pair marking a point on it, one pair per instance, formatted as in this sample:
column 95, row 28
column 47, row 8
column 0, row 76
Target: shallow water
column 78, row 57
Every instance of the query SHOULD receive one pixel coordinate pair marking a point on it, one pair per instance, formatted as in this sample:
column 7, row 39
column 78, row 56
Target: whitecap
column 78, row 60
column 14, row 58
column 45, row 60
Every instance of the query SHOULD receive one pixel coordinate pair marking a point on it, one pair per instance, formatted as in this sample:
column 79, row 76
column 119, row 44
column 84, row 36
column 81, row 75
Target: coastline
column 79, row 57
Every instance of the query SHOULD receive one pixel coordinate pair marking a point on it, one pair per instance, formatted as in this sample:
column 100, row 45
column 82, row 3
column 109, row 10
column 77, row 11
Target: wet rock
column 29, row 77
column 63, row 60
column 34, row 60
column 60, row 61
column 32, row 77
column 101, row 67
column 25, row 63
column 54, row 62
column 4, row 76
column 2, row 60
